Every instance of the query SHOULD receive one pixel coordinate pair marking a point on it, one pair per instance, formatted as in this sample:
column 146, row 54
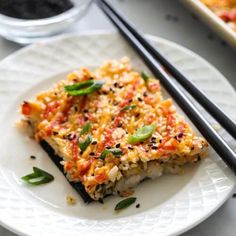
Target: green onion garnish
column 141, row 134
column 128, row 108
column 144, row 76
column 85, row 130
column 83, row 88
column 125, row 203
column 38, row 177
column 83, row 145
column 117, row 152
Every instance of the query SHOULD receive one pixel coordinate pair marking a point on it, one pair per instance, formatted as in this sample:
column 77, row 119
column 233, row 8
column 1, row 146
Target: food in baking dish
column 225, row 9
column 111, row 129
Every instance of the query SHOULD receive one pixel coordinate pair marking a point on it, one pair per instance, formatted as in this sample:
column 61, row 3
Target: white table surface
column 156, row 17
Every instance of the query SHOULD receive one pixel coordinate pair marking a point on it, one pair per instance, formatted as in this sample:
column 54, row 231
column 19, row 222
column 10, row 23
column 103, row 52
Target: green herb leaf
column 141, row 134
column 117, row 152
column 128, row 108
column 83, row 145
column 38, row 177
column 83, row 88
column 85, row 129
column 125, row 203
column 145, row 77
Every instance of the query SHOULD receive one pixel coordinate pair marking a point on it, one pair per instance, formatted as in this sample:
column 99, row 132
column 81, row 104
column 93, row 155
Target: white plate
column 169, row 205
column 212, row 20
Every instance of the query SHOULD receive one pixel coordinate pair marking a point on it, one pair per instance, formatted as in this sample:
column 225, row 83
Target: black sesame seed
column 85, row 110
column 137, row 115
column 234, row 195
column 94, row 142
column 131, row 148
column 131, row 100
column 154, row 147
column 120, row 86
column 138, row 205
column 91, row 153
column 153, row 138
column 76, row 109
column 115, row 103
column 55, row 94
column 119, row 125
column 111, row 90
column 117, row 145
column 140, row 99
column 86, row 118
column 160, row 141
column 101, row 201
column 108, row 147
column 81, row 152
column 104, row 93
column 116, row 84
column 33, row 157
column 145, row 94
column 34, row 9
column 192, row 148
column 55, row 133
column 70, row 136
column 150, row 144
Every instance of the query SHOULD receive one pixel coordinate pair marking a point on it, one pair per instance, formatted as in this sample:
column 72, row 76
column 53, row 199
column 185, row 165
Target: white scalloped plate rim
column 10, row 59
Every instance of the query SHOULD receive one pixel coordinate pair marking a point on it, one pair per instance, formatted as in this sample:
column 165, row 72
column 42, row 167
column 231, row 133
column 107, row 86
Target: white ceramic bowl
column 29, row 31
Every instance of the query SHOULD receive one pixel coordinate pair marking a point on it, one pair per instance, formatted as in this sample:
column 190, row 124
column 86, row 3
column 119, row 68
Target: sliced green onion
column 144, row 76
column 85, row 130
column 83, row 145
column 128, row 108
column 125, row 203
column 141, row 134
column 117, row 152
column 83, row 88
column 38, row 177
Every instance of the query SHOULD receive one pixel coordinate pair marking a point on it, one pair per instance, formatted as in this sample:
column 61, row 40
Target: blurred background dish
column 211, row 11
column 37, row 27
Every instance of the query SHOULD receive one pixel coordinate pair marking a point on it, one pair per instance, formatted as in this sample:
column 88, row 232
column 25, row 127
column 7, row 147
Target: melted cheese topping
column 58, row 118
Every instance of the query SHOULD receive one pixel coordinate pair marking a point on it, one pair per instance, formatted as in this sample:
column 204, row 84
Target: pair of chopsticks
column 158, row 64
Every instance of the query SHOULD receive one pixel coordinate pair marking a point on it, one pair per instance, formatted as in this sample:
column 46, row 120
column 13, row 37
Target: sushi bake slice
column 110, row 129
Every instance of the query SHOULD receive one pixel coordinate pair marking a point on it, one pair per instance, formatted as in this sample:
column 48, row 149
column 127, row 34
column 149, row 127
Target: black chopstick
column 200, row 97
column 220, row 146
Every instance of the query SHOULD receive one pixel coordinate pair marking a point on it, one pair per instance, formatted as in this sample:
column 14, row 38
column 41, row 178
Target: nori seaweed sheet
column 56, row 160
